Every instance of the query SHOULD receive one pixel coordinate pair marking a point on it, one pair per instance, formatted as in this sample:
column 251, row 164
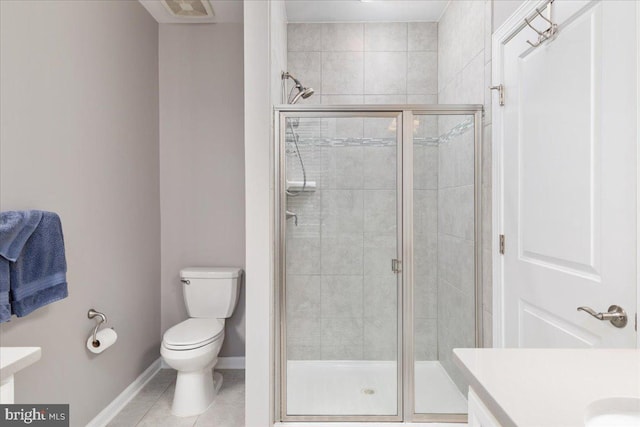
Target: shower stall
column 377, row 260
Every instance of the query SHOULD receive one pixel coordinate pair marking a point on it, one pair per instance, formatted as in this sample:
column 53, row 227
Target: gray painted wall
column 79, row 120
column 502, row 9
column 201, row 161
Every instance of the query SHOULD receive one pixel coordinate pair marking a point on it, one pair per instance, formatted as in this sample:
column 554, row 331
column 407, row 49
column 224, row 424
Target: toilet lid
column 194, row 332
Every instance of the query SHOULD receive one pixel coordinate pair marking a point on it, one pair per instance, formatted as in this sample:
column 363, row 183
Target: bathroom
column 163, row 144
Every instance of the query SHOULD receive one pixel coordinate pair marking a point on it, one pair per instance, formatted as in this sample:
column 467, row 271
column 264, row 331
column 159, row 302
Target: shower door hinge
column 502, row 244
column 500, row 89
column 396, row 265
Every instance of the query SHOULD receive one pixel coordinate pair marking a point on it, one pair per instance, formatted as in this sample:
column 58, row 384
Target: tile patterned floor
column 152, row 406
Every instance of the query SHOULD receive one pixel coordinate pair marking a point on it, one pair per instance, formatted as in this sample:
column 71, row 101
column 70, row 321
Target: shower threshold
column 369, row 424
column 361, row 387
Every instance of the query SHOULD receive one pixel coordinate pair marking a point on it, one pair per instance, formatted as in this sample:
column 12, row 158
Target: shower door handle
column 396, row 265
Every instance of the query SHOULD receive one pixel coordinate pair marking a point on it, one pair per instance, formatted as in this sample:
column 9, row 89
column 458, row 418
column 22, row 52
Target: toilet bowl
column 191, row 347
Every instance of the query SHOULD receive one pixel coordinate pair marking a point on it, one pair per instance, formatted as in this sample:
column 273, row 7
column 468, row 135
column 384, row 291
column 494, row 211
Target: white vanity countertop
column 548, row 387
column 13, row 359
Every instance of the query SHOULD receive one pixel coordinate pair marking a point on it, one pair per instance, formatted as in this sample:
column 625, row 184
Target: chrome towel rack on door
column 546, row 34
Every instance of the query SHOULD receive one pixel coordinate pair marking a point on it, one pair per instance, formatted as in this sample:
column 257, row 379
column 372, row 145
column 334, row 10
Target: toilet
column 191, row 347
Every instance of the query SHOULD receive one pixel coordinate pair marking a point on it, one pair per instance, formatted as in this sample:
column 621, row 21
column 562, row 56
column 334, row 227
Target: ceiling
column 224, row 10
column 364, row 10
column 316, row 11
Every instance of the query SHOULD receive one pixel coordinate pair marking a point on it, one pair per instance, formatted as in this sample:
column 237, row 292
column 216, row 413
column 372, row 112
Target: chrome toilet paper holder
column 102, row 319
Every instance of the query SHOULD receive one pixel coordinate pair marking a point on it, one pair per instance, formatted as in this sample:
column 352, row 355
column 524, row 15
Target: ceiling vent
column 189, row 8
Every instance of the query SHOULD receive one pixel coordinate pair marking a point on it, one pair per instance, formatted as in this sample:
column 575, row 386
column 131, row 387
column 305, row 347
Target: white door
column 569, row 129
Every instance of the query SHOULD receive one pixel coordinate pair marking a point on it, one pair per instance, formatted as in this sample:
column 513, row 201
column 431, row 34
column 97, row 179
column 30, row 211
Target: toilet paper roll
column 105, row 338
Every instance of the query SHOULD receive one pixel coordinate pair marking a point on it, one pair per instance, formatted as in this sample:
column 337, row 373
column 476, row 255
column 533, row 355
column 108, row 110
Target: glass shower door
column 444, row 260
column 341, row 332
column 379, row 263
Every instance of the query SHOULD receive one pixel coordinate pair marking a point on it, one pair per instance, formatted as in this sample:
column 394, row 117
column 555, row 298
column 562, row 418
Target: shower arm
column 283, row 85
column 284, row 76
column 303, row 91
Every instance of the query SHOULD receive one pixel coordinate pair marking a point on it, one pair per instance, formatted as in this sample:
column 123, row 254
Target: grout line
column 322, row 161
column 459, row 289
column 363, row 244
column 437, row 264
column 453, row 187
column 363, row 255
column 364, row 60
column 321, row 68
column 406, row 77
column 456, row 237
column 155, row 401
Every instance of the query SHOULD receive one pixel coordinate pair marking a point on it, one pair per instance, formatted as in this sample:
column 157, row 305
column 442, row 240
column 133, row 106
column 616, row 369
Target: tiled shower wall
column 372, row 63
column 340, row 290
column 464, row 74
column 348, row 63
column 341, row 293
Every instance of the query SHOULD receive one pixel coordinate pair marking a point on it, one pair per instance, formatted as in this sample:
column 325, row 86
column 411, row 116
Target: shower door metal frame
column 284, row 113
column 409, row 352
column 404, row 189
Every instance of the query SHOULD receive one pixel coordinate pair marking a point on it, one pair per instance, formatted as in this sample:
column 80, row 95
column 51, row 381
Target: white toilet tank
column 210, row 292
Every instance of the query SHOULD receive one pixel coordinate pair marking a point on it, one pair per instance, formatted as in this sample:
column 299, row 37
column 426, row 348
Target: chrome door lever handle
column 616, row 315
column 592, row 312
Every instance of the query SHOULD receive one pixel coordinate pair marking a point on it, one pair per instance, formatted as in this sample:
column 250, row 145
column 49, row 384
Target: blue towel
column 5, row 307
column 37, row 271
column 15, row 229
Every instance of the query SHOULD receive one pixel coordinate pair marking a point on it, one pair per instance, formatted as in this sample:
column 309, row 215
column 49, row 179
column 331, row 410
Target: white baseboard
column 108, row 413
column 230, row 363
column 223, row 363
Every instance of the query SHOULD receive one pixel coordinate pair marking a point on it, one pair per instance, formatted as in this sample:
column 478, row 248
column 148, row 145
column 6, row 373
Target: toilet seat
column 193, row 333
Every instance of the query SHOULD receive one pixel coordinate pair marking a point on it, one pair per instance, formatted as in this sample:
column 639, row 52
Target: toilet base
column 195, row 392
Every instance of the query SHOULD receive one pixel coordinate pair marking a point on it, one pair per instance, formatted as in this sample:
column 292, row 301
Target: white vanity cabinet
column 479, row 414
column 519, row 387
column 12, row 360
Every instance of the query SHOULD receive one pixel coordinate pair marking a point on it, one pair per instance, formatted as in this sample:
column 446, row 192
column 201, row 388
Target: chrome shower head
column 303, row 93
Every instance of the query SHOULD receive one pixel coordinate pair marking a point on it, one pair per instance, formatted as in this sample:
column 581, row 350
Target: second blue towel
column 38, row 277
column 33, row 249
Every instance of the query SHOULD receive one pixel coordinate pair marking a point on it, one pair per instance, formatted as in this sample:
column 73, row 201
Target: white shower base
column 436, row 393
column 361, row 387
